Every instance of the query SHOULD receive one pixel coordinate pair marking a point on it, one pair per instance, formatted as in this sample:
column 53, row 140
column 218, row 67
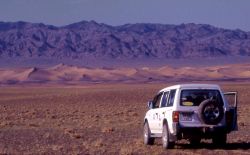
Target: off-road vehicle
column 192, row 112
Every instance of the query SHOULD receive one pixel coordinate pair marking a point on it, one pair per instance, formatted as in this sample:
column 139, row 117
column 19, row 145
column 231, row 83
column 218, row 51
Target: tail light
column 175, row 116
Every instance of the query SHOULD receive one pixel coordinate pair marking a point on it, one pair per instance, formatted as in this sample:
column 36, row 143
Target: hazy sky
column 222, row 13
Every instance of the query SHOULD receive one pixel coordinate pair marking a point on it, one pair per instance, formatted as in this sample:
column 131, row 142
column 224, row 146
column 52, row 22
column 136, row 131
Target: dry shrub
column 53, row 117
column 75, row 135
column 98, row 143
column 133, row 114
column 68, row 131
column 57, row 147
column 33, row 125
column 138, row 142
column 126, row 150
column 46, row 135
column 108, row 130
column 72, row 133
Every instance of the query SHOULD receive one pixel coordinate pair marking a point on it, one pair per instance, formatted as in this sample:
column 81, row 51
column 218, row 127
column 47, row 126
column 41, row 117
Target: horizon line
column 93, row 21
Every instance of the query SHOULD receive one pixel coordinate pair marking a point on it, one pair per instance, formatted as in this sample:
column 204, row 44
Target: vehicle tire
column 210, row 112
column 220, row 139
column 165, row 138
column 148, row 140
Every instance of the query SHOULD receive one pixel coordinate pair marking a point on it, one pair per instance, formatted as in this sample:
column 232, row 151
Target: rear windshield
column 194, row 97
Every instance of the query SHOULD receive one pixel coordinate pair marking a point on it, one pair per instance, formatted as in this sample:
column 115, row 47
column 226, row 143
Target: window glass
column 157, row 100
column 196, row 96
column 164, row 99
column 171, row 98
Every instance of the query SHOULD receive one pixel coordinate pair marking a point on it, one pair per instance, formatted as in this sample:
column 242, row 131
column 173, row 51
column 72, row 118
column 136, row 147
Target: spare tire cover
column 210, row 112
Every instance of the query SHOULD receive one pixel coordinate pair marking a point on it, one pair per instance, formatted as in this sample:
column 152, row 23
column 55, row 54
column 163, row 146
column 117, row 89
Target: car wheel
column 220, row 139
column 165, row 138
column 210, row 112
column 148, row 140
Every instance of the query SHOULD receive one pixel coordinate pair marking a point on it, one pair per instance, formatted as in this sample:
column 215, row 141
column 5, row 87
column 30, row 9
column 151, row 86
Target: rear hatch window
column 194, row 97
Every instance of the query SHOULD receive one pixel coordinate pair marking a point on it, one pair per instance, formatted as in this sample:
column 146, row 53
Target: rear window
column 194, row 97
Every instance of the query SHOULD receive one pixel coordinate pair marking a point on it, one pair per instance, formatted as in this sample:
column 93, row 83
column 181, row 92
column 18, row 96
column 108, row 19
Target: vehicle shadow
column 228, row 146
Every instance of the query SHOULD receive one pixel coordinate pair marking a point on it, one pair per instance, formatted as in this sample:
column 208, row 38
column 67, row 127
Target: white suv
column 190, row 111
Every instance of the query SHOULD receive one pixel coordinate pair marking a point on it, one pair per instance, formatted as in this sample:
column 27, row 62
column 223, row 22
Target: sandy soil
column 96, row 119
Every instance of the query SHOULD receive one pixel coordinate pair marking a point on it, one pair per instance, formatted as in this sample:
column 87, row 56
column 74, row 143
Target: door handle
column 163, row 113
column 157, row 116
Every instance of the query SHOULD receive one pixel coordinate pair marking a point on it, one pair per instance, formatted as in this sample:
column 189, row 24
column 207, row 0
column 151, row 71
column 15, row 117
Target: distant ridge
column 91, row 39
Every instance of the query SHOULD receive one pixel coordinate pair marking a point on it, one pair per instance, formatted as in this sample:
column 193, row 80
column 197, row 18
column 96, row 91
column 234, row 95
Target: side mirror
column 150, row 104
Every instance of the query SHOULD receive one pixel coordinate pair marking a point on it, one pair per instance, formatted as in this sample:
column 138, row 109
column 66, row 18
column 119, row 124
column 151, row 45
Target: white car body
column 188, row 116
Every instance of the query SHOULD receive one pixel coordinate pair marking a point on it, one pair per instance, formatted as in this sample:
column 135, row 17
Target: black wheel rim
column 211, row 112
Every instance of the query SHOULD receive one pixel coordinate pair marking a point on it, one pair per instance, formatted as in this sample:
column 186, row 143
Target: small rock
column 241, row 124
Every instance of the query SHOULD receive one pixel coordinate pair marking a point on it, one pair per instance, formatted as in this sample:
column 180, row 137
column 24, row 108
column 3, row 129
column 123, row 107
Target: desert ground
column 97, row 119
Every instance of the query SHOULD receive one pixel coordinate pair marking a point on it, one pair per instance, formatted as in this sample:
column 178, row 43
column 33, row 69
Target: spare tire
column 210, row 112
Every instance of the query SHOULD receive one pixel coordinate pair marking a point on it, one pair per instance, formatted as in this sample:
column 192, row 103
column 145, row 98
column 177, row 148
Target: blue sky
column 230, row 14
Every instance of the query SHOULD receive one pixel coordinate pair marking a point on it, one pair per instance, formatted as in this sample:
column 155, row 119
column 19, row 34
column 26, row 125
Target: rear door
column 162, row 110
column 166, row 109
column 155, row 115
column 231, row 114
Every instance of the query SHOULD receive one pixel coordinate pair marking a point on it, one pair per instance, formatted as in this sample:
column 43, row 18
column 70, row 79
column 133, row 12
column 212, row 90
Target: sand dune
column 67, row 73
column 16, row 74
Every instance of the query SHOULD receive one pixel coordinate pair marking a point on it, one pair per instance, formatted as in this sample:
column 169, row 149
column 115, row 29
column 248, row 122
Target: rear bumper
column 201, row 132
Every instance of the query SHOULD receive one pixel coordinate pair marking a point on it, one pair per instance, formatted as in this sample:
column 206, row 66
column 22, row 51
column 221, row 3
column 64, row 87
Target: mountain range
column 89, row 39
